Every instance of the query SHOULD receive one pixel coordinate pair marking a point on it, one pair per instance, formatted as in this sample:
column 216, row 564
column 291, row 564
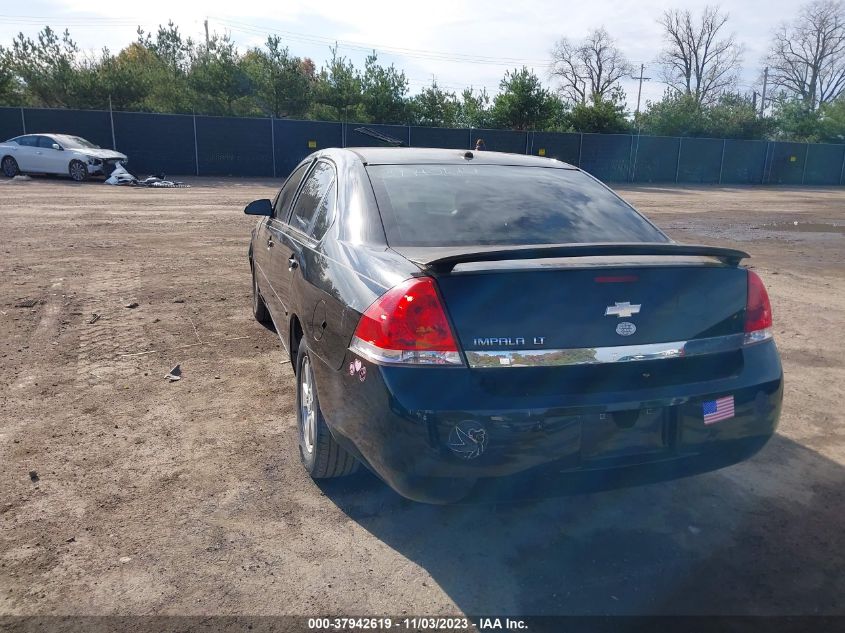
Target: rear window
column 463, row 205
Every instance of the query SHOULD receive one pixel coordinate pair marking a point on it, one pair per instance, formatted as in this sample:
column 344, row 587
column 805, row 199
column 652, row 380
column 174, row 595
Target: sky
column 460, row 43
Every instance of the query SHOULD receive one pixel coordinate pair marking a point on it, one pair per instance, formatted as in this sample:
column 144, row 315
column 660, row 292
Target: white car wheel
column 78, row 170
column 10, row 167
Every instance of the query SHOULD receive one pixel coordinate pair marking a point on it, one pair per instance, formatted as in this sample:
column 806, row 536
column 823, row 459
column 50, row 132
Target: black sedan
column 454, row 315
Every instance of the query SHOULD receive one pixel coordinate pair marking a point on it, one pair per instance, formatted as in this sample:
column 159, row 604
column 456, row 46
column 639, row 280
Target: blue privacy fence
column 180, row 144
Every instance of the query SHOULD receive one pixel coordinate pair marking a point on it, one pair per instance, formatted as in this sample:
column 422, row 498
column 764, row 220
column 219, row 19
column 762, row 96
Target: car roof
column 51, row 134
column 425, row 155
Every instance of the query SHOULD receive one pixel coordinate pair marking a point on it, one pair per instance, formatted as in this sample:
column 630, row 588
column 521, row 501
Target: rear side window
column 285, row 197
column 311, row 195
column 325, row 213
column 27, row 141
column 464, row 205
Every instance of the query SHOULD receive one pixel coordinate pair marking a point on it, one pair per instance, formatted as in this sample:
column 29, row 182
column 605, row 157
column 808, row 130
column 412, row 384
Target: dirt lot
column 123, row 493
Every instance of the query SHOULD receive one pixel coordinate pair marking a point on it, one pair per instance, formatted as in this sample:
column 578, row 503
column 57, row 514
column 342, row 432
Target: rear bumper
column 430, row 432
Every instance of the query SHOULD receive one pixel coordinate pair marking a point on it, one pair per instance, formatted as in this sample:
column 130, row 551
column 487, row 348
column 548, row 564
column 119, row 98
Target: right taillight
column 407, row 325
column 758, row 311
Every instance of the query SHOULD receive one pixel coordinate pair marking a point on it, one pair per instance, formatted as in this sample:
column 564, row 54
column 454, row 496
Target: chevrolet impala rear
column 533, row 319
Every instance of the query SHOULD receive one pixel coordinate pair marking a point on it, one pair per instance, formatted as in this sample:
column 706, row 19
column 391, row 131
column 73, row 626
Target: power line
column 392, row 50
column 249, row 29
column 432, row 55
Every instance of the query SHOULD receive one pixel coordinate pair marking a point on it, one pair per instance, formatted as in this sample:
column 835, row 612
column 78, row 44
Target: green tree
column 474, row 109
column 832, row 121
column 383, row 92
column 523, row 102
column 734, row 116
column 435, row 106
column 677, row 114
column 795, row 119
column 603, row 116
column 174, row 51
column 109, row 76
column 730, row 116
column 283, row 84
column 46, row 67
column 163, row 63
column 10, row 89
column 218, row 80
column 339, row 90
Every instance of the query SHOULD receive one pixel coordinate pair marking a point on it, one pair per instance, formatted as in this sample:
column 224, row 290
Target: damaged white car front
column 57, row 154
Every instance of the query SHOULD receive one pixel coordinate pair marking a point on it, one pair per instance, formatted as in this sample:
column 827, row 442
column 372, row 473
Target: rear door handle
column 292, row 263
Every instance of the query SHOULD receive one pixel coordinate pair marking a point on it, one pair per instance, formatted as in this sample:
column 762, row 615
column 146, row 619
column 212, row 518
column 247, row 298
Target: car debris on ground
column 175, row 374
column 120, row 176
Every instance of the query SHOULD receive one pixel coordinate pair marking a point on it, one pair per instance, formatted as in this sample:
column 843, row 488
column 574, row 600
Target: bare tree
column 699, row 59
column 589, row 69
column 807, row 58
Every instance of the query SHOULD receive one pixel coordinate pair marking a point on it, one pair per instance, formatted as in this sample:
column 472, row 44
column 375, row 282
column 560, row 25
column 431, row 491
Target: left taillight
column 407, row 325
column 758, row 311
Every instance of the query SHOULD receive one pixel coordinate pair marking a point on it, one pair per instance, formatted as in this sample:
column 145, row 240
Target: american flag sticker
column 716, row 410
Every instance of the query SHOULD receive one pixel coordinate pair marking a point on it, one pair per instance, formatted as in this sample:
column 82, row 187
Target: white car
column 57, row 154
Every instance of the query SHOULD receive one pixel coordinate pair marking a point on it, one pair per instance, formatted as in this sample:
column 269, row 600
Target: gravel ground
column 124, row 493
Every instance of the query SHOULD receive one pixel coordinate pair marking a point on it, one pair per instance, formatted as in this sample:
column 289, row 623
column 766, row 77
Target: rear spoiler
column 447, row 262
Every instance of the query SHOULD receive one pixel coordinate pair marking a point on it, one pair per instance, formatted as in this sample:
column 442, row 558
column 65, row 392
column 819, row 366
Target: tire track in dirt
column 115, row 332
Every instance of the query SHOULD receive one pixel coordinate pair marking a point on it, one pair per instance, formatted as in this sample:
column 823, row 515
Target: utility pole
column 640, row 89
column 111, row 119
column 763, row 97
column 754, row 100
column 206, row 33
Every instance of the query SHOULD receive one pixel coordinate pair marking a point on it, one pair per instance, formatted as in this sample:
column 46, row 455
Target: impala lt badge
column 622, row 310
column 507, row 341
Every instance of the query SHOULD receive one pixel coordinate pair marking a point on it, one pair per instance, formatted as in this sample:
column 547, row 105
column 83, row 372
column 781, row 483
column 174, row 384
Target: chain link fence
column 180, row 144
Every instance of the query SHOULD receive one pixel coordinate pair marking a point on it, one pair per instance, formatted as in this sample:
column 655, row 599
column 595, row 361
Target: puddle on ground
column 804, row 227
column 783, row 231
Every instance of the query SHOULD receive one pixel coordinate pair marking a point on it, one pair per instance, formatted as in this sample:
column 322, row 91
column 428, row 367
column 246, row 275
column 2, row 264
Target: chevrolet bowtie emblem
column 622, row 310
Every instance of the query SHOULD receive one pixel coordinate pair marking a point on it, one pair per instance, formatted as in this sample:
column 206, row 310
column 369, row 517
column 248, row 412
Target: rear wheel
column 259, row 308
column 77, row 170
column 322, row 457
column 10, row 167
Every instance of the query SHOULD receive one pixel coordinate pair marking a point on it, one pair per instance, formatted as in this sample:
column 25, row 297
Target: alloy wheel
column 78, row 171
column 307, row 406
column 10, row 168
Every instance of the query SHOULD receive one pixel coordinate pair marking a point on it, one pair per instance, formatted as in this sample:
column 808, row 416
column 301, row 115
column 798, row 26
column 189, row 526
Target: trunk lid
column 584, row 307
column 585, row 301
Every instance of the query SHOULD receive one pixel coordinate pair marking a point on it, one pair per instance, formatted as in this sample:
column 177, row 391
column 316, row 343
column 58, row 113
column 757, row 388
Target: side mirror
column 259, row 207
column 57, row 146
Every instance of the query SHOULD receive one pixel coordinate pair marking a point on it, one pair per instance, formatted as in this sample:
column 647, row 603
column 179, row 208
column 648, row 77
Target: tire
column 322, row 457
column 78, row 171
column 10, row 167
column 259, row 308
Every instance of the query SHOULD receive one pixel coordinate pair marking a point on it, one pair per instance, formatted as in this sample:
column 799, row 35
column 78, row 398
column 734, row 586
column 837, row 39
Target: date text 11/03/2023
column 416, row 624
